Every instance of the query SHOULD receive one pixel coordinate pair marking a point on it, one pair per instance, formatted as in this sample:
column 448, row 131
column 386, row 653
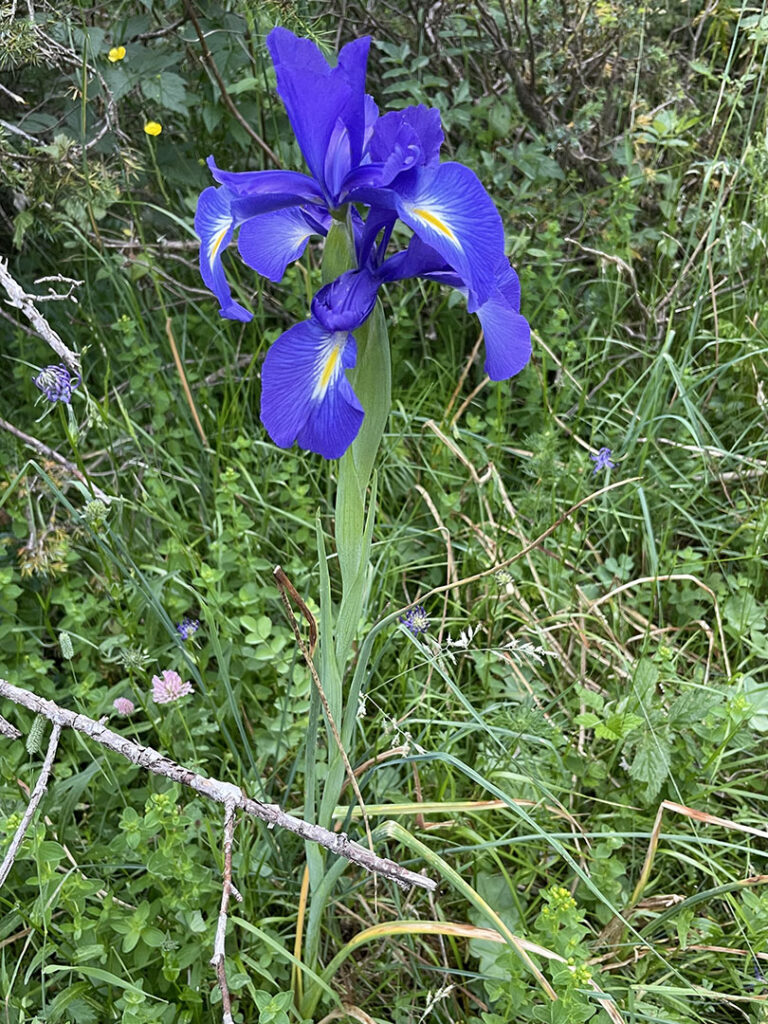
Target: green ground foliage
column 616, row 664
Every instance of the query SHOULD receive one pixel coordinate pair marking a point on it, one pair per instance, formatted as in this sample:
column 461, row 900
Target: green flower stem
column 371, row 380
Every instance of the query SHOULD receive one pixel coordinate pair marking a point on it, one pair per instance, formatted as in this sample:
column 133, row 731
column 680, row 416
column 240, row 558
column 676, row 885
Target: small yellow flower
column 116, row 53
column 153, row 128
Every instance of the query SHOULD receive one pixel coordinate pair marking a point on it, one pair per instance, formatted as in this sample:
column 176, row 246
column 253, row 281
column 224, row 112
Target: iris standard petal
column 449, row 209
column 371, row 116
column 347, row 302
column 353, row 62
column 322, row 102
column 400, row 141
column 411, row 138
column 215, row 225
column 268, row 190
column 269, row 242
column 305, row 394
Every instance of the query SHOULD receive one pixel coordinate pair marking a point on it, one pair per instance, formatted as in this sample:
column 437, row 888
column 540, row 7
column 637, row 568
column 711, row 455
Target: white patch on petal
column 328, row 365
column 215, row 244
column 434, row 219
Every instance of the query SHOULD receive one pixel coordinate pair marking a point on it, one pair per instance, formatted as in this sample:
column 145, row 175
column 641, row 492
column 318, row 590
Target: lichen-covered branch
column 219, row 955
column 18, row 298
column 222, row 792
column 34, row 800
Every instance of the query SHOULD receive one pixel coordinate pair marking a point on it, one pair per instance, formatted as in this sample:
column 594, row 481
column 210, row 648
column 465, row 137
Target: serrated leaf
column 691, row 707
column 651, row 763
column 645, row 679
column 618, row 726
column 588, row 719
column 168, row 90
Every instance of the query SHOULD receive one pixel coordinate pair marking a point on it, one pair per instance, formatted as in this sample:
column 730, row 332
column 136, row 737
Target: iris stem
column 354, row 525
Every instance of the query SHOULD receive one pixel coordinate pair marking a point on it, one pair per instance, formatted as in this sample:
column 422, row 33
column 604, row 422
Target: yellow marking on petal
column 328, row 369
column 217, row 244
column 436, row 223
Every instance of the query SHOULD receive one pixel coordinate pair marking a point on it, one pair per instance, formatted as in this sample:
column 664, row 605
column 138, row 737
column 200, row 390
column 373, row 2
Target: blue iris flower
column 389, row 164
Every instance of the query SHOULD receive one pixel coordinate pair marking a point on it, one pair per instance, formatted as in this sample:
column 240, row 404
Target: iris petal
column 269, row 242
column 400, row 141
column 268, row 190
column 507, row 334
column 305, row 394
column 317, row 97
column 215, row 225
column 403, row 139
column 449, row 209
column 347, row 302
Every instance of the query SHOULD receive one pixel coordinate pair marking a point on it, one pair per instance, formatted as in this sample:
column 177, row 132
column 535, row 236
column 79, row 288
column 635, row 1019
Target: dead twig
column 184, row 381
column 210, row 63
column 8, row 730
column 49, row 453
column 37, row 795
column 219, row 955
column 18, row 298
column 214, row 789
column 516, row 557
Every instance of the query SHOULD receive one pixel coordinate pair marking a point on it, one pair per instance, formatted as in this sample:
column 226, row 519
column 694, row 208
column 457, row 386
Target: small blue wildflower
column 416, row 619
column 602, row 460
column 187, row 627
column 57, row 383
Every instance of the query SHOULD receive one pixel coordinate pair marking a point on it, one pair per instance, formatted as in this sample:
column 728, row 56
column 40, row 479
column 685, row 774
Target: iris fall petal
column 449, row 209
column 305, row 394
column 215, row 225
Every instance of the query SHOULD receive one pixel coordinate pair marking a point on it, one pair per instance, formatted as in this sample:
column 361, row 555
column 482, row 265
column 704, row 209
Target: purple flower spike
column 57, row 383
column 187, row 627
column 602, row 460
column 168, row 687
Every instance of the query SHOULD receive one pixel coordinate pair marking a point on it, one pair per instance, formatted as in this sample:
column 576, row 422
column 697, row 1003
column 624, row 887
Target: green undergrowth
column 522, row 750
